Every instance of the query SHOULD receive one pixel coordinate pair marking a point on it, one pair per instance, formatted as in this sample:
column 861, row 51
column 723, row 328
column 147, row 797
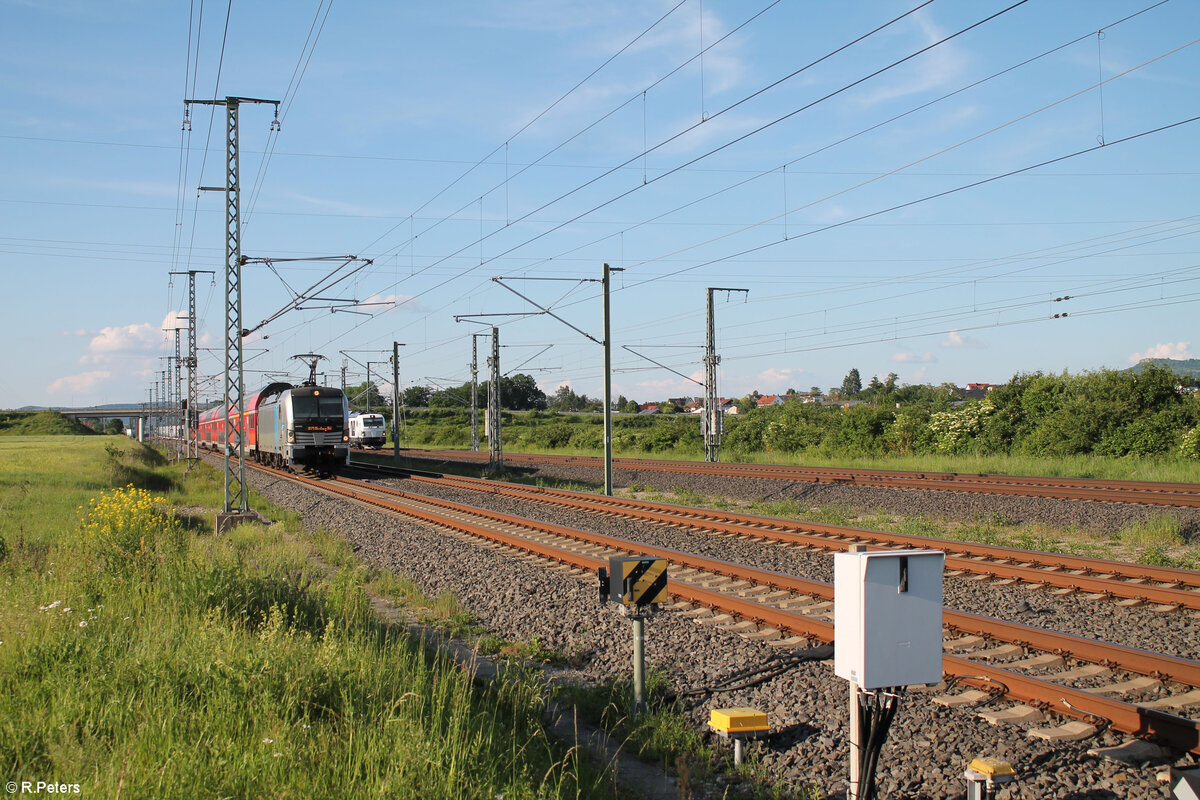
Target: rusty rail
column 1029, row 567
column 1136, row 720
column 1123, row 491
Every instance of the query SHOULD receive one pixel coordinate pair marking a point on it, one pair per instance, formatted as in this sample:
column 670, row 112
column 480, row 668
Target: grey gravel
column 929, row 745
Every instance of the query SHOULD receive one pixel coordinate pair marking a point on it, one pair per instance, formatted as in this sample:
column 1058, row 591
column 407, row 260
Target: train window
column 309, row 408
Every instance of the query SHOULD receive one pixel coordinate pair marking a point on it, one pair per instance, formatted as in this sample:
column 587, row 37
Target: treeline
column 1105, row 412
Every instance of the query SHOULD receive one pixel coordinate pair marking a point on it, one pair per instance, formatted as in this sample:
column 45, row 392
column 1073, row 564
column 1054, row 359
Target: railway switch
column 738, row 724
column 984, row 775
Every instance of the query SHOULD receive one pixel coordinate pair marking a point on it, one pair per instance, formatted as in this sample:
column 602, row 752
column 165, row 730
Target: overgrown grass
column 140, row 656
column 663, row 734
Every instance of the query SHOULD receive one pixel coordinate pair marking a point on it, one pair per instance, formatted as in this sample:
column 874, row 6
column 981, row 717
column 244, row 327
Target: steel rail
column 758, row 523
column 1031, row 567
column 1139, row 721
column 1123, row 491
column 1132, row 659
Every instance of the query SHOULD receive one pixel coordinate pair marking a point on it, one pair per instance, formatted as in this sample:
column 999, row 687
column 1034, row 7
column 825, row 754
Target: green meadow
column 140, row 656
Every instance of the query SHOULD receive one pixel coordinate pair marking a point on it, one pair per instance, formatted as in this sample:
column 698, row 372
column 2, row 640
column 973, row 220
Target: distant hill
column 40, row 423
column 1189, row 366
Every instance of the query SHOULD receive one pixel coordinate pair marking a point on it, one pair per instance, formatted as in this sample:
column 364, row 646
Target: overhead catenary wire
column 783, row 167
column 527, row 125
column 688, row 129
column 726, row 109
column 726, row 260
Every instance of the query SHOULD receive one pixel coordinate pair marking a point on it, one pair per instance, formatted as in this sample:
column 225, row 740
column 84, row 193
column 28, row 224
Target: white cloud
column 913, row 358
column 919, row 375
column 123, row 340
column 1175, row 350
column 82, row 383
column 773, row 381
column 933, row 69
column 956, row 339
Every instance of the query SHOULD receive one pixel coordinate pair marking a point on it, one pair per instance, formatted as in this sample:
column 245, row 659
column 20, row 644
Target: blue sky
column 868, row 208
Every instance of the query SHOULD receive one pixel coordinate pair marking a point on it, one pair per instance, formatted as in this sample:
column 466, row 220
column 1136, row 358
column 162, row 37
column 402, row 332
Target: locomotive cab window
column 312, row 409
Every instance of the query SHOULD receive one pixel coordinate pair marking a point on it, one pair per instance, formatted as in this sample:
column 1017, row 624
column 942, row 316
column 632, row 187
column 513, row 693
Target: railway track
column 1128, row 584
column 793, row 611
column 1182, row 495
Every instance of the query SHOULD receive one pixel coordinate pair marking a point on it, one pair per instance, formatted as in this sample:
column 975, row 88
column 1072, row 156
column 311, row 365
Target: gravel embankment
column 929, row 746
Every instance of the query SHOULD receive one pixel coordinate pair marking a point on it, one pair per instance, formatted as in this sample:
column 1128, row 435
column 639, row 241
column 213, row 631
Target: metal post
column 712, row 422
column 177, row 401
column 396, row 403
column 190, row 410
column 475, row 392
column 495, row 446
column 235, row 397
column 235, row 386
column 604, row 281
column 192, row 447
column 639, row 665
column 368, row 387
column 856, row 742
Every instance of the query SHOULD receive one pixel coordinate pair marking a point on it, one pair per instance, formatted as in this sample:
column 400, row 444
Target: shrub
column 125, row 529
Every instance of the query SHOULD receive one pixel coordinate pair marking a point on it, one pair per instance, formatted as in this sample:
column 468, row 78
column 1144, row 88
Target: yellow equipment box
column 738, row 720
column 992, row 768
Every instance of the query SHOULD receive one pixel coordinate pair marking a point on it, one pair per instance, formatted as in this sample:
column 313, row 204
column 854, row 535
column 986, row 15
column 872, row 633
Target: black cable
column 756, row 674
column 876, row 711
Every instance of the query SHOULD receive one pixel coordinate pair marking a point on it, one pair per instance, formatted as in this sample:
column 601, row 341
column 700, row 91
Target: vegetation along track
column 1182, row 495
column 794, row 610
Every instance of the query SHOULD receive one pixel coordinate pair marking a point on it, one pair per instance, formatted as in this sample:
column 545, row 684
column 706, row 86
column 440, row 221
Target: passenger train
column 298, row 427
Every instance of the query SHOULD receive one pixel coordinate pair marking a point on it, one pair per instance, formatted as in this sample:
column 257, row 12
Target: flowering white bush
column 952, row 430
column 1190, row 446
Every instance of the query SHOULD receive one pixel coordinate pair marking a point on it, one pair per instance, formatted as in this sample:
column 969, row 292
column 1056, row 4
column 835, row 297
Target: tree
column 630, row 407
column 365, row 396
column 565, row 399
column 115, row 427
column 668, row 408
column 453, row 398
column 517, row 393
column 417, row 396
column 852, row 383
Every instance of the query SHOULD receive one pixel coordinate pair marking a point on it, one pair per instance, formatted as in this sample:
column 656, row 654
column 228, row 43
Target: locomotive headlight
column 345, row 438
column 291, row 436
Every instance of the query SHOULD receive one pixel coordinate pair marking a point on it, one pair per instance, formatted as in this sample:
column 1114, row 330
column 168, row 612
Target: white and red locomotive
column 286, row 426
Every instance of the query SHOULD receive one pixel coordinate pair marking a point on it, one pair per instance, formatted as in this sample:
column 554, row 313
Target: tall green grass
column 142, row 657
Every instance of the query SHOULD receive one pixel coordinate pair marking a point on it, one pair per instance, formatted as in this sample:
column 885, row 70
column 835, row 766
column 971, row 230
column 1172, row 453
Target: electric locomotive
column 368, row 430
column 287, row 426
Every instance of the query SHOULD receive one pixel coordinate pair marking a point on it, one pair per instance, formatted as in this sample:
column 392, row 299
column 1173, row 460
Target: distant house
column 771, row 400
column 977, row 391
column 811, row 397
column 648, row 408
